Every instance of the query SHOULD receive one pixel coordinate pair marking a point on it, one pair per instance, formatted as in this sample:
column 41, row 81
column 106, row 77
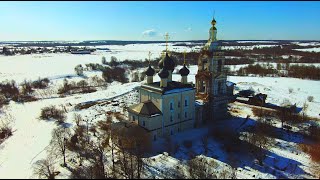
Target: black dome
column 184, row 71
column 168, row 63
column 164, row 73
column 150, row 71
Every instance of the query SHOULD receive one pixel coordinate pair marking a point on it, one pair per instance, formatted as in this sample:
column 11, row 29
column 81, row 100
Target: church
column 168, row 107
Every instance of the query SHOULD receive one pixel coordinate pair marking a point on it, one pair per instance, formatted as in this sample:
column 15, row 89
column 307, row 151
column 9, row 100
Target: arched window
column 171, row 104
column 186, row 101
column 133, row 118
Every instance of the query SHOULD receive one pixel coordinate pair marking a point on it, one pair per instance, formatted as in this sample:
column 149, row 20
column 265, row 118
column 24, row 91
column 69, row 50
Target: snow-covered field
column 309, row 49
column 31, row 67
column 31, row 136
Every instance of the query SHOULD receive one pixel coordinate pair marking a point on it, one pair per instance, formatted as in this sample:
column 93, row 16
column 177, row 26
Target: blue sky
column 189, row 20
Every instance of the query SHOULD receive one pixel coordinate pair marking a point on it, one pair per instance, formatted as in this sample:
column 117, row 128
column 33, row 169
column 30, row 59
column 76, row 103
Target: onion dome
column 167, row 62
column 164, row 73
column 184, row 71
column 150, row 71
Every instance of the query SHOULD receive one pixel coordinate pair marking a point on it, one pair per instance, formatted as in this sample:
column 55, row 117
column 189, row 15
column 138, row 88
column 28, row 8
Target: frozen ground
column 32, row 136
column 316, row 49
column 31, row 67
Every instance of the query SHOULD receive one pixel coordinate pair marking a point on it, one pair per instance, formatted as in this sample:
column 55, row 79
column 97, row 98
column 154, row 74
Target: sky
column 143, row 20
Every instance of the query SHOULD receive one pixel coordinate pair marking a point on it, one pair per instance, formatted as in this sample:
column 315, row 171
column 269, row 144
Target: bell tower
column 211, row 76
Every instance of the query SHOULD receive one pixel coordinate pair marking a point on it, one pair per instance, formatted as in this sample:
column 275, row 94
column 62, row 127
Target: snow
column 315, row 49
column 33, row 66
column 31, row 136
column 257, row 42
column 247, row 47
column 277, row 90
column 307, row 44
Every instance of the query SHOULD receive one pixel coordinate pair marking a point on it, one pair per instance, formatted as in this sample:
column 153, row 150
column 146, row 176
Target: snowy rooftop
column 172, row 87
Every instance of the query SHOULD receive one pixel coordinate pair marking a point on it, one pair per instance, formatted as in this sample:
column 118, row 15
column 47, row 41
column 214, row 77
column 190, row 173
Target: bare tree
column 45, row 169
column 78, row 119
column 258, row 138
column 199, row 168
column 304, row 110
column 59, row 140
column 133, row 143
column 99, row 149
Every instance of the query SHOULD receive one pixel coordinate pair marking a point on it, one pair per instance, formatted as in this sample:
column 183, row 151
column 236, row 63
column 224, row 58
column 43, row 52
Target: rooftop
column 173, row 85
column 146, row 108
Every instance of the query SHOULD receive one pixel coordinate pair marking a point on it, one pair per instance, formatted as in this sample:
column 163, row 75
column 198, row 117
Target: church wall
column 146, row 95
column 175, row 98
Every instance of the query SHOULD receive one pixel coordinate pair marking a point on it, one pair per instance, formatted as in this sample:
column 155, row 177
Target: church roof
column 164, row 73
column 173, row 85
column 150, row 71
column 167, row 62
column 184, row 71
column 146, row 108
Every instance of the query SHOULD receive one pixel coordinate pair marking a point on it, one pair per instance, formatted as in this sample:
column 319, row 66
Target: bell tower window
column 219, row 65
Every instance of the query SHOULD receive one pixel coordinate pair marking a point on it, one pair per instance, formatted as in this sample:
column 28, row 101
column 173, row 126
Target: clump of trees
column 40, row 83
column 114, row 74
column 54, row 113
column 256, row 69
column 304, row 72
column 73, row 87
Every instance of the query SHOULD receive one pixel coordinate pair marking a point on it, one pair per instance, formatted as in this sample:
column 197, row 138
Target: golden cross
column 184, row 57
column 167, row 38
column 149, row 56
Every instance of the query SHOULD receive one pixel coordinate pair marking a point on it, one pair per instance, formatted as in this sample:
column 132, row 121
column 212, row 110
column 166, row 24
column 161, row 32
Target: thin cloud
column 189, row 29
column 149, row 33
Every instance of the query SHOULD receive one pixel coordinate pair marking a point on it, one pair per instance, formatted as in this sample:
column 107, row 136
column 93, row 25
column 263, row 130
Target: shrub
column 290, row 90
column 26, row 88
column 312, row 150
column 3, row 100
column 310, row 98
column 40, row 83
column 9, row 89
column 135, row 76
column 79, row 70
column 53, row 112
column 96, row 81
column 114, row 61
column 5, row 132
column 103, row 60
column 142, row 75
